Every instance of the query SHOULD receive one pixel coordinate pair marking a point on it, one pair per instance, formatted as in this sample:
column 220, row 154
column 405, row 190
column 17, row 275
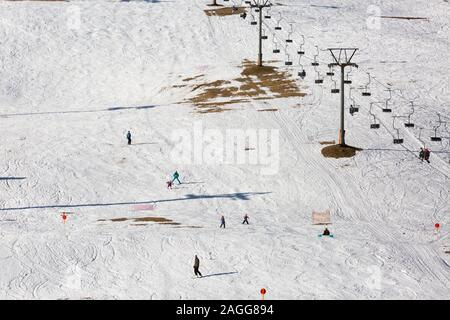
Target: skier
column 175, row 177
column 326, row 232
column 245, row 219
column 222, row 222
column 169, row 184
column 426, row 155
column 421, row 154
column 196, row 266
column 243, row 15
column 129, row 137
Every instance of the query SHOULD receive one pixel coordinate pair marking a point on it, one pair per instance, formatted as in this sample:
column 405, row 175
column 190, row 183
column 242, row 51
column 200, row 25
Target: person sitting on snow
column 326, row 232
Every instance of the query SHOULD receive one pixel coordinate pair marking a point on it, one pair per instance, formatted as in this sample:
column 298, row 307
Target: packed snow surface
column 76, row 76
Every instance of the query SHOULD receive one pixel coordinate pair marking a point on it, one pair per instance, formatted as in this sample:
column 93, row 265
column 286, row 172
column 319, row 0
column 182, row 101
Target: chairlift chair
column 264, row 36
column 348, row 81
column 353, row 109
column 335, row 89
column 330, row 72
column 436, row 138
column 302, row 74
column 301, row 51
column 276, row 49
column 366, row 92
column 386, row 109
column 278, row 27
column 289, row 39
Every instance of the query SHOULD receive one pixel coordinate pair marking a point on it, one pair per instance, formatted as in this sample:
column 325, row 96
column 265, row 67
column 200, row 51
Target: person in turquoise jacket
column 176, row 176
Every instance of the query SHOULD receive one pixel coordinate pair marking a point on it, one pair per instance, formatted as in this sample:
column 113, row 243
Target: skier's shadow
column 219, row 274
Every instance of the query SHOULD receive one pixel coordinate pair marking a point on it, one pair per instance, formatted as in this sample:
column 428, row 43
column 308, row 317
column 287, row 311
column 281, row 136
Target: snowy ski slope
column 69, row 92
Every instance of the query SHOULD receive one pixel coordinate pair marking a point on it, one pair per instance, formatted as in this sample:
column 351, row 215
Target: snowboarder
column 169, row 184
column 245, row 219
column 326, row 232
column 129, row 137
column 426, row 155
column 222, row 222
column 244, row 15
column 421, row 154
column 196, row 266
column 176, row 175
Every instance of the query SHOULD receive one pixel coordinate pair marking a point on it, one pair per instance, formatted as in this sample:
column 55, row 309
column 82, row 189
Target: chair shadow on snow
column 233, row 196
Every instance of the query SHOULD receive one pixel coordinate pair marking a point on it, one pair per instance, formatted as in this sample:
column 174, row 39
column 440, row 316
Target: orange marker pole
column 263, row 292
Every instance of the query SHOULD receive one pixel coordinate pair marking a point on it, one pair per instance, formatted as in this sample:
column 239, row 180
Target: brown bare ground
column 257, row 83
column 337, row 151
column 226, row 11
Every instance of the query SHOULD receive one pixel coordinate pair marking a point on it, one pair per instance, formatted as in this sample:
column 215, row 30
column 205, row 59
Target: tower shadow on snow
column 233, row 196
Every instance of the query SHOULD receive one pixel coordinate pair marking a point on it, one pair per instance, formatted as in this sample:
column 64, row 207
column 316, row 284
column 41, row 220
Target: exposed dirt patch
column 193, row 78
column 327, row 142
column 337, row 151
column 255, row 83
column 263, row 110
column 405, row 18
column 225, row 11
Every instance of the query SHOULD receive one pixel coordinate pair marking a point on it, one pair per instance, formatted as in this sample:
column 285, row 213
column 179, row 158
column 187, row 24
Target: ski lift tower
column 342, row 58
column 260, row 5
